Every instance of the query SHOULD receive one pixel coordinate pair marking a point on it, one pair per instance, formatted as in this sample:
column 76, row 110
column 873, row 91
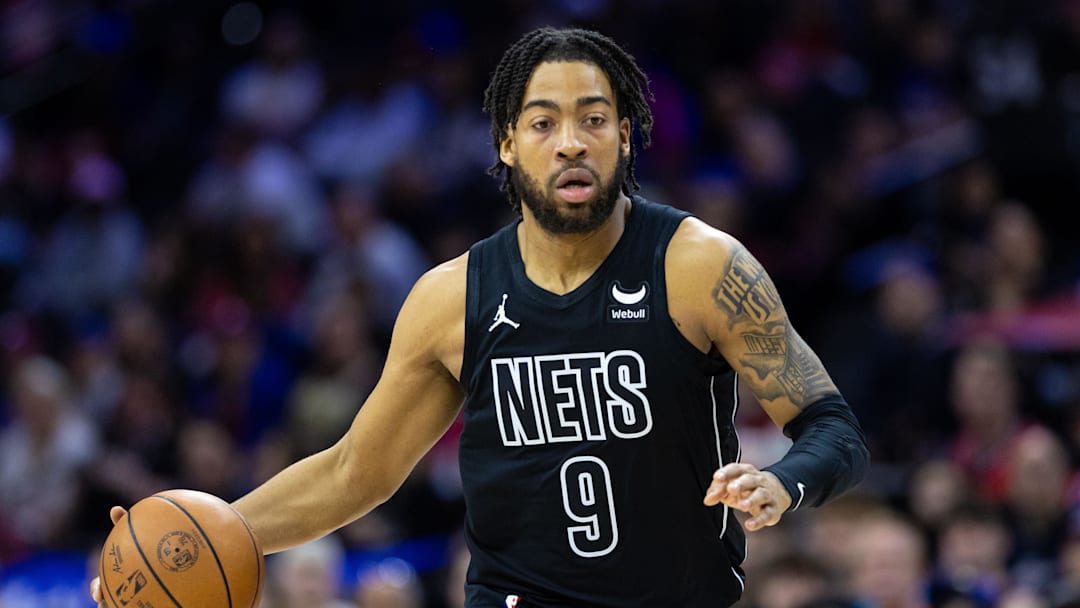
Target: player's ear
column 624, row 135
column 507, row 148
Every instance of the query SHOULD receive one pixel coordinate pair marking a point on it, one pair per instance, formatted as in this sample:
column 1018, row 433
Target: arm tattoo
column 744, row 290
column 784, row 364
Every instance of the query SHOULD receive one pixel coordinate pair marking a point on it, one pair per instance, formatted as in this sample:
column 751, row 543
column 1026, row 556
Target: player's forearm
column 309, row 499
column 829, row 455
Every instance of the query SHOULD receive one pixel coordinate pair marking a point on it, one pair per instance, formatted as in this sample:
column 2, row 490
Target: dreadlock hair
column 505, row 92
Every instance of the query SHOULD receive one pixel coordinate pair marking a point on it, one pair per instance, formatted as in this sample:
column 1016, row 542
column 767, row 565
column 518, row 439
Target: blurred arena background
column 210, row 212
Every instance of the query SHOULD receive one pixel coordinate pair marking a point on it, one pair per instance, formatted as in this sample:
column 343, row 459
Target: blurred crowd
column 210, row 213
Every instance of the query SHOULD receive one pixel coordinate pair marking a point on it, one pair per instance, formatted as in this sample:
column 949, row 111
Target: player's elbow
column 858, row 456
column 360, row 482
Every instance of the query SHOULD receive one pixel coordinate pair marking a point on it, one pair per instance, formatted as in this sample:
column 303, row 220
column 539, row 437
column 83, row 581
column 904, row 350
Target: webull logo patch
column 629, row 304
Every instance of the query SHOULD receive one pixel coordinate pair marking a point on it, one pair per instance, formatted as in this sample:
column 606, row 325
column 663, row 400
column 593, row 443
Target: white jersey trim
column 719, row 451
column 716, row 432
column 742, row 583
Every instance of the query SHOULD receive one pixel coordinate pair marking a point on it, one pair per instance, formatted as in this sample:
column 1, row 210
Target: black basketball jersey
column 592, row 428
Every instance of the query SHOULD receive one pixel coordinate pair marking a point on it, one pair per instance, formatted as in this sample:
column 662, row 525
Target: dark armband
column 829, row 454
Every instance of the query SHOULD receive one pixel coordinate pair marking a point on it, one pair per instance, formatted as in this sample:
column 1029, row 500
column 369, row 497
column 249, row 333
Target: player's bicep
column 751, row 329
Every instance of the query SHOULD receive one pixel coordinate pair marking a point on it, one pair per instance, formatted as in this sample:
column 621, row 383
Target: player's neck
column 559, row 263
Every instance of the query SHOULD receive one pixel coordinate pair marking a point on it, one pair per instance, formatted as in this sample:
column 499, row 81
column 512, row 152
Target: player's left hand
column 115, row 514
column 746, row 488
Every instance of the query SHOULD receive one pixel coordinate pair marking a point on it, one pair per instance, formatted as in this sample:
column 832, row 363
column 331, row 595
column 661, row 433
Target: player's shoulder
column 447, row 275
column 697, row 246
column 698, row 257
column 443, row 286
column 432, row 320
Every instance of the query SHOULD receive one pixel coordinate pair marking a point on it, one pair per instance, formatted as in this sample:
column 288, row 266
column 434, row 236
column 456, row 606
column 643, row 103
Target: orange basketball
column 181, row 549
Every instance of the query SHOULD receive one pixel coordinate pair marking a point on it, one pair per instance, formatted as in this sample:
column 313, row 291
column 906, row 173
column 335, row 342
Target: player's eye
column 595, row 120
column 541, row 125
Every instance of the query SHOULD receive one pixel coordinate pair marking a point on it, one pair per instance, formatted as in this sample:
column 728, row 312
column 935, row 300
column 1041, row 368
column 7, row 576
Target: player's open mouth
column 575, row 185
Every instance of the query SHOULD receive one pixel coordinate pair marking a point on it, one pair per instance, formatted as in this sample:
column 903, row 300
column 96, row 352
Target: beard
column 541, row 200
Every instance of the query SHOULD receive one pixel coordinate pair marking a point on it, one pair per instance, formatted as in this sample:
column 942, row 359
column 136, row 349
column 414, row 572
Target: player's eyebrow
column 590, row 100
column 554, row 107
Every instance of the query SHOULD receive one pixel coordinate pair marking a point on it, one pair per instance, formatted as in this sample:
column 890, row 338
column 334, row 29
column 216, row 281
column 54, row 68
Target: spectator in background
column 140, row 337
column 251, row 177
column 936, row 488
column 1016, row 271
column 341, row 373
column 42, row 453
column 985, row 398
column 763, row 549
column 141, row 451
column 209, row 460
column 899, row 329
column 370, row 255
column 908, row 311
column 834, row 530
column 963, row 210
column 308, row 576
column 1037, row 504
column 260, row 269
column 973, row 551
column 375, row 109
column 890, row 565
column 97, row 377
column 239, row 371
column 92, row 254
column 456, row 148
column 390, row 583
column 793, row 580
column 280, row 91
column 169, row 263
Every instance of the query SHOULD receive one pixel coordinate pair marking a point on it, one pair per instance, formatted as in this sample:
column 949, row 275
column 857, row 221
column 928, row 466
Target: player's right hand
column 115, row 514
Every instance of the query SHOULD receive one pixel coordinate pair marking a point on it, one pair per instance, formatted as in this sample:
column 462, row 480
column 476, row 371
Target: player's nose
column 570, row 145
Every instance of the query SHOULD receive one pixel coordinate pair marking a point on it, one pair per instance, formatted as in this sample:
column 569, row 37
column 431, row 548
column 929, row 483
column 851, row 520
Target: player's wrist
column 783, row 494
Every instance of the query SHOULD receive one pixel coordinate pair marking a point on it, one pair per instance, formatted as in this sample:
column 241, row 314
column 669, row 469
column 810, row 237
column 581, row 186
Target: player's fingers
column 763, row 507
column 716, row 493
column 95, row 590
column 733, row 482
column 742, row 486
column 733, row 470
column 741, row 479
column 755, row 501
column 116, row 513
column 729, row 483
column 729, row 494
column 768, row 516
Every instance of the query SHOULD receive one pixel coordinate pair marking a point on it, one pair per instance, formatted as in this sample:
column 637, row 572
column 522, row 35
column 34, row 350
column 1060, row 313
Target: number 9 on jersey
column 588, row 500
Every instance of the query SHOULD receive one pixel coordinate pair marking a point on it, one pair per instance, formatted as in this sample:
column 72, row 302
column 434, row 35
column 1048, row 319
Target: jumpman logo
column 501, row 318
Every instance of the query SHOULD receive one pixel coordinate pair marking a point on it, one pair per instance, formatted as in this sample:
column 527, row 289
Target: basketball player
column 594, row 348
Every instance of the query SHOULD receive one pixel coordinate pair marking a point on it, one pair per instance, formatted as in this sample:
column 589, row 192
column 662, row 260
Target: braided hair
column 505, row 92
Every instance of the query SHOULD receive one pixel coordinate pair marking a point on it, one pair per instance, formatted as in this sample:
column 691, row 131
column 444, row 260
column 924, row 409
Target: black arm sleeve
column 829, row 455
